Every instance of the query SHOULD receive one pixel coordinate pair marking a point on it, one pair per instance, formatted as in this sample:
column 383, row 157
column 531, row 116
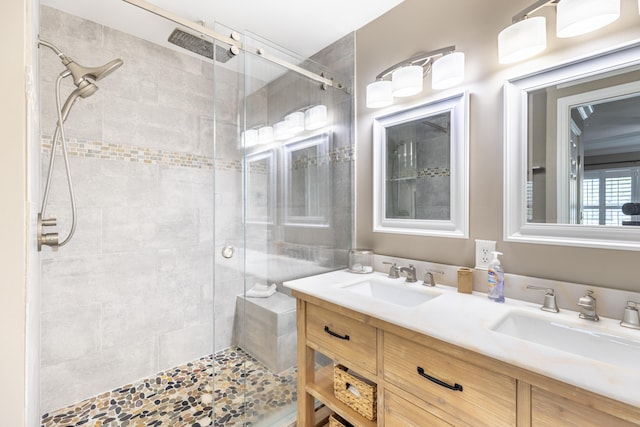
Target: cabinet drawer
column 469, row 393
column 346, row 340
column 400, row 413
column 549, row 409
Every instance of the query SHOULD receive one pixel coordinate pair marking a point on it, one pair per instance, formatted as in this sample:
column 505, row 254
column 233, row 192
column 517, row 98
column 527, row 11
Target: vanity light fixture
column 250, row 137
column 265, row 135
column 315, row 117
column 282, row 130
column 296, row 122
column 526, row 36
column 305, row 119
column 577, row 17
column 446, row 65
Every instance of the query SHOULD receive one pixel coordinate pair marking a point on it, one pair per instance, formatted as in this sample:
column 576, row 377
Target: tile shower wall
column 132, row 293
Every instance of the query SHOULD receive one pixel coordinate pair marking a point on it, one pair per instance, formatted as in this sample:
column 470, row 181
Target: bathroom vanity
column 440, row 358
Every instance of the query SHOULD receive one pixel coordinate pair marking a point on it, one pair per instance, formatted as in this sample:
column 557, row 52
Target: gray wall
column 132, row 293
column 473, row 26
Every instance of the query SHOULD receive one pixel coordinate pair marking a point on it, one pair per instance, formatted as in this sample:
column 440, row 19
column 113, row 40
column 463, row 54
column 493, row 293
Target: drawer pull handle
column 333, row 334
column 456, row 386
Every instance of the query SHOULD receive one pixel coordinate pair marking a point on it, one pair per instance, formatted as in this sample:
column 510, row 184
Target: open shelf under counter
column 322, row 389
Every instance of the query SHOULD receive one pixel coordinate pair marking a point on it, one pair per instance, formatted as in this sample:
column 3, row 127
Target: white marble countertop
column 466, row 320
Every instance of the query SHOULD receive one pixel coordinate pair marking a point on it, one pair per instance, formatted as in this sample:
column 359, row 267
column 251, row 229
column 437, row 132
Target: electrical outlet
column 483, row 253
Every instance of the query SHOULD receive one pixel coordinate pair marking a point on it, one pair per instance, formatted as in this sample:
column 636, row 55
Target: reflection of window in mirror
column 260, row 187
column 584, row 151
column 307, row 181
column 418, row 169
column 571, row 143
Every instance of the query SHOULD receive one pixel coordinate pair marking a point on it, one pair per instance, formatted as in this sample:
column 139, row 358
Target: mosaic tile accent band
column 424, row 173
column 103, row 150
column 107, row 151
column 185, row 396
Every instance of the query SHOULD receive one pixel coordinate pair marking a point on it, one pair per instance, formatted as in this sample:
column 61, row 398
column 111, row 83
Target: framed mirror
column 307, row 180
column 261, row 185
column 572, row 153
column 420, row 161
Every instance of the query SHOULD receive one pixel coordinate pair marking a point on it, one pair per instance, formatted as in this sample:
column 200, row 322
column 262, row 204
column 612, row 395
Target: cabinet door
column 549, row 409
column 400, row 413
column 346, row 340
column 467, row 392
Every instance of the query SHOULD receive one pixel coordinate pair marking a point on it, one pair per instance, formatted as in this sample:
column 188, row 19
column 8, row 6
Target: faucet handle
column 631, row 318
column 549, row 303
column 429, row 276
column 394, row 270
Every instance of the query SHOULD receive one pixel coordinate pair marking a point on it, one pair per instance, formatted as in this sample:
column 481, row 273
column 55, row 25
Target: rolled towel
column 261, row 291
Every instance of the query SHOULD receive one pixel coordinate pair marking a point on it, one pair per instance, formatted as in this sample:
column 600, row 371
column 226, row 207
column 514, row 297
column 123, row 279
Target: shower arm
column 53, row 47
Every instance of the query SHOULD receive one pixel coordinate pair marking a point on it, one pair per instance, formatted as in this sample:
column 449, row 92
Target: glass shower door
column 283, row 205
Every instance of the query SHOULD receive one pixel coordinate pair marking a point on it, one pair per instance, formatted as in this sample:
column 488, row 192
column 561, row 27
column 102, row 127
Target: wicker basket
column 336, row 420
column 365, row 404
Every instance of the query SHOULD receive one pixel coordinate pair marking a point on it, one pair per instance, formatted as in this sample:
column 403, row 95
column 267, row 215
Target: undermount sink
column 576, row 339
column 394, row 293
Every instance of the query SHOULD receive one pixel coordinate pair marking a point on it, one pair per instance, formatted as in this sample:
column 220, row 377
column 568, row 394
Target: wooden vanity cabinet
column 551, row 409
column 346, row 340
column 422, row 381
column 460, row 390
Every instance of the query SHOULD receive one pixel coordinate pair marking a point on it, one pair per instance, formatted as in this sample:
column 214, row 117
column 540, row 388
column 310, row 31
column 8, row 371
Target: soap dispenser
column 495, row 279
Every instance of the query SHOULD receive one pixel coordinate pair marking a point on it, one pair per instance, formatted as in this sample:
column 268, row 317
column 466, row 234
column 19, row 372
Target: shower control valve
column 47, row 239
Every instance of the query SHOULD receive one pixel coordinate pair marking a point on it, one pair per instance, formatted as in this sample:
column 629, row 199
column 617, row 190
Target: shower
column 202, row 46
column 83, row 79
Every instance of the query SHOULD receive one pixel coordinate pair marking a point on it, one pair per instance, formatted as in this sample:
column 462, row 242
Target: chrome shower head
column 80, row 73
column 201, row 46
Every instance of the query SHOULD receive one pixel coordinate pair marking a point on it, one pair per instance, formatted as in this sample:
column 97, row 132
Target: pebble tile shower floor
column 183, row 396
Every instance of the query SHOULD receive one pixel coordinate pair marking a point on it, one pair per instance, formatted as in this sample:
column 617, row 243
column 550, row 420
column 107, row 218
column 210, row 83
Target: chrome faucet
column 549, row 298
column 429, row 276
column 394, row 270
column 587, row 306
column 411, row 273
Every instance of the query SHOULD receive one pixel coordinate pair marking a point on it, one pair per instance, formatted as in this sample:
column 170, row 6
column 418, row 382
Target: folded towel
column 261, row 291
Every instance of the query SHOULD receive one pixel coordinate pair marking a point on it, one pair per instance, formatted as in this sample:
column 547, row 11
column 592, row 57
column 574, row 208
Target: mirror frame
column 323, row 143
column 269, row 155
column 515, row 143
column 458, row 224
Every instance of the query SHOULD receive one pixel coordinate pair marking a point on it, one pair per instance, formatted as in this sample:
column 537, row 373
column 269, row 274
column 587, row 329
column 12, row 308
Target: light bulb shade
column 265, row 135
column 379, row 94
column 407, row 80
column 315, row 117
column 448, row 71
column 576, row 17
column 250, row 137
column 282, row 130
column 296, row 122
column 522, row 40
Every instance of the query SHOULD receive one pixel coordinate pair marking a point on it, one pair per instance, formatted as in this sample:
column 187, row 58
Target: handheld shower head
column 85, row 89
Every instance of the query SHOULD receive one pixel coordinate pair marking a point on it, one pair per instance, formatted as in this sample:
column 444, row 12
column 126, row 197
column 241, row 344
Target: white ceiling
column 301, row 26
